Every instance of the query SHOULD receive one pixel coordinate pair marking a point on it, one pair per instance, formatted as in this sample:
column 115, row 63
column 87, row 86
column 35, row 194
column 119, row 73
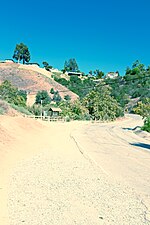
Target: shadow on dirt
column 134, row 129
column 141, row 145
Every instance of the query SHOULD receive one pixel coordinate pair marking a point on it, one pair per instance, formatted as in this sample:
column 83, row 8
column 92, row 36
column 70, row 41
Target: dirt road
column 73, row 173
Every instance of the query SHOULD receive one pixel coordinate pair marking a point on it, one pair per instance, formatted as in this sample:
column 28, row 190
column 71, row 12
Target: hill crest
column 32, row 79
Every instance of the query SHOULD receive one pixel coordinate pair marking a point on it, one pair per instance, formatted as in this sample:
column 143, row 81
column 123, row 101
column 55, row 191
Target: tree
column 74, row 110
column 21, row 52
column 47, row 66
column 91, row 72
column 101, row 105
column 8, row 92
column 23, row 94
column 143, row 108
column 56, row 97
column 11, row 94
column 43, row 98
column 71, row 65
column 99, row 74
column 67, row 97
column 52, row 91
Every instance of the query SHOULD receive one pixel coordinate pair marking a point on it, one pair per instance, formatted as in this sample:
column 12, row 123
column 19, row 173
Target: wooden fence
column 47, row 118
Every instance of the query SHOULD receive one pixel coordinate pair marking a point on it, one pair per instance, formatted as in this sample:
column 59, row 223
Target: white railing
column 47, row 118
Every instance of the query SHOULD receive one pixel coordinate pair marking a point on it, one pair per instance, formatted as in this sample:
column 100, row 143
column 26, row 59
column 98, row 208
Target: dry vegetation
column 28, row 78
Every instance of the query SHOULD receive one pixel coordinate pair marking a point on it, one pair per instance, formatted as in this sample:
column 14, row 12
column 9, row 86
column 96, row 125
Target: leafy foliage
column 101, row 105
column 98, row 74
column 21, row 109
column 35, row 109
column 43, row 98
column 146, row 126
column 52, row 91
column 76, row 85
column 57, row 97
column 75, row 110
column 67, row 97
column 23, row 94
column 11, row 94
column 47, row 66
column 21, row 52
column 71, row 65
column 143, row 108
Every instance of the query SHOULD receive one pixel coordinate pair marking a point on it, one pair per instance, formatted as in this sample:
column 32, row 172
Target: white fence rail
column 47, row 118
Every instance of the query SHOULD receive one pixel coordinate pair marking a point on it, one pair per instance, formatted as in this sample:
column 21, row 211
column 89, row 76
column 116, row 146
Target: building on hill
column 74, row 74
column 33, row 64
column 112, row 75
column 54, row 112
column 55, row 70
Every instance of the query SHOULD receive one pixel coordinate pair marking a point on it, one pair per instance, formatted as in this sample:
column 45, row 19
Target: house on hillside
column 33, row 64
column 112, row 75
column 54, row 111
column 74, row 73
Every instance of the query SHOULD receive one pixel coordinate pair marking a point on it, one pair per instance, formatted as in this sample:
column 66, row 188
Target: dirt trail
column 46, row 180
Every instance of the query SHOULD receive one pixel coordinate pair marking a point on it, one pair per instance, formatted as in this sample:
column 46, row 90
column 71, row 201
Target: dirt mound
column 7, row 109
column 16, row 128
column 25, row 78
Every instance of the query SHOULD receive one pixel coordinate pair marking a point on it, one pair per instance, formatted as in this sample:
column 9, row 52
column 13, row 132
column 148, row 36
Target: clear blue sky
column 107, row 35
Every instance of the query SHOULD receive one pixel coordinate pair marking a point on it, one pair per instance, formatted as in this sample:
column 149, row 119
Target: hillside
column 31, row 79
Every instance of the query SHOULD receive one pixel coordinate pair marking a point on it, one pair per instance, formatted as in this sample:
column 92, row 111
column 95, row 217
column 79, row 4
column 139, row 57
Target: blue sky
column 107, row 35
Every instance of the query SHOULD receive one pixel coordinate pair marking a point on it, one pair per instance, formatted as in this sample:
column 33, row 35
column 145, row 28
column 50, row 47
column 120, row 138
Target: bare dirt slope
column 33, row 80
column 49, row 174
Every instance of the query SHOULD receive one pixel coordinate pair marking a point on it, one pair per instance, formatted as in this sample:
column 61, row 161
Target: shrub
column 21, row 109
column 67, row 119
column 3, row 107
column 101, row 105
column 67, row 97
column 52, row 91
column 35, row 109
column 146, row 126
column 2, row 111
column 42, row 97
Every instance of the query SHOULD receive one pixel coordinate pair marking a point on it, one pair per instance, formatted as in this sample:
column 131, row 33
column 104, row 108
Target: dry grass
column 25, row 78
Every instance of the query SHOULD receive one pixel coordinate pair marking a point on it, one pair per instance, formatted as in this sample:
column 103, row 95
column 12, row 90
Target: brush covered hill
column 32, row 79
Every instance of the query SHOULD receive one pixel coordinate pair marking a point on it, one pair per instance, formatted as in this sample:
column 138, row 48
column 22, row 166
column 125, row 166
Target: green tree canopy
column 74, row 110
column 57, row 98
column 99, row 74
column 47, row 66
column 21, row 52
column 71, row 65
column 143, row 108
column 101, row 105
column 11, row 94
column 43, row 98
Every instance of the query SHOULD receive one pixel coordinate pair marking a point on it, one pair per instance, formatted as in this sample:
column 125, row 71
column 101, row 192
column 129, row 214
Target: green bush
column 101, row 105
column 67, row 119
column 2, row 111
column 35, row 109
column 146, row 126
column 11, row 94
column 43, row 98
column 21, row 109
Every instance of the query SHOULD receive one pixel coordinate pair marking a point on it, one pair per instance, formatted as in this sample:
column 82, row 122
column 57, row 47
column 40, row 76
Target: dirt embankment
column 46, row 177
column 32, row 79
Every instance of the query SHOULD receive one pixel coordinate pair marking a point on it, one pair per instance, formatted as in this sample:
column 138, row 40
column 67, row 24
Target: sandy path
column 46, row 180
